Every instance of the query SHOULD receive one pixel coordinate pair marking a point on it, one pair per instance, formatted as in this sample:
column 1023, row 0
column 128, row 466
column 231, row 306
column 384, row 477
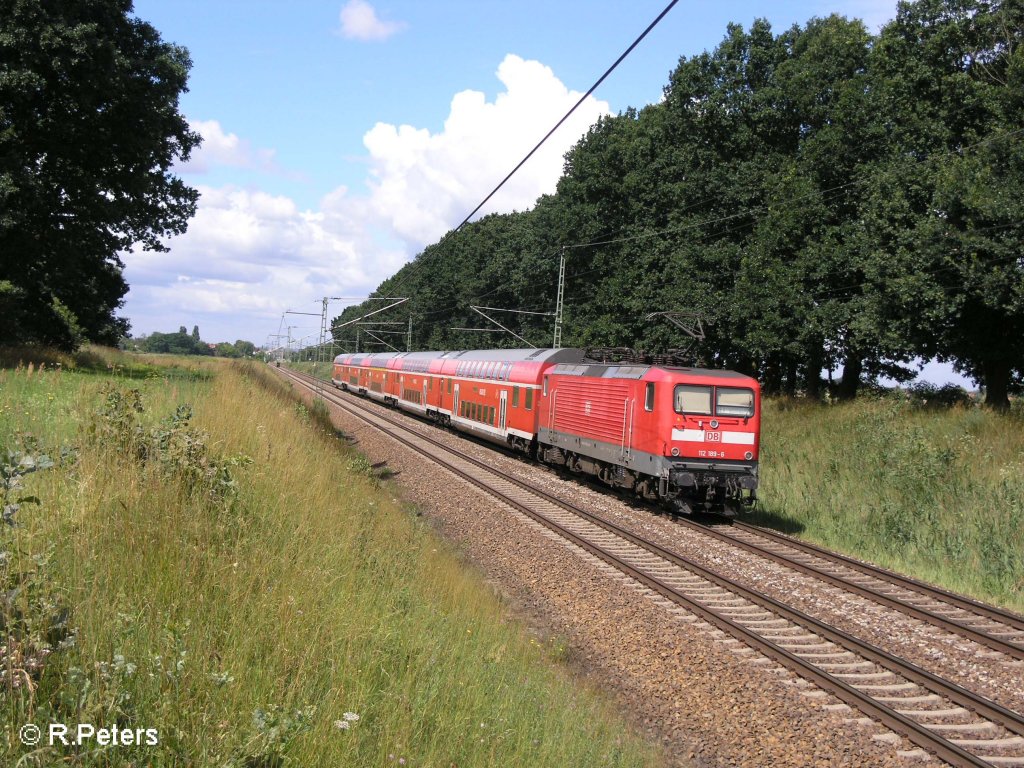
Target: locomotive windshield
column 693, row 399
column 697, row 400
column 735, row 402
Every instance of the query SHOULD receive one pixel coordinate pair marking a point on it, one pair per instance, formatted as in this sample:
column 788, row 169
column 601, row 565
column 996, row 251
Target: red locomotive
column 688, row 436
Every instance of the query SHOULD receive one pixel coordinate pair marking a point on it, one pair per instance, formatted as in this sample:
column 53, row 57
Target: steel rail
column 942, row 622
column 927, row 590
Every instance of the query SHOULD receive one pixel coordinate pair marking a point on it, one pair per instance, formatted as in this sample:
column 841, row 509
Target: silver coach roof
column 567, row 355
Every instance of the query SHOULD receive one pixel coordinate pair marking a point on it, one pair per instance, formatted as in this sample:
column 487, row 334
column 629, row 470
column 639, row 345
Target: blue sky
column 342, row 136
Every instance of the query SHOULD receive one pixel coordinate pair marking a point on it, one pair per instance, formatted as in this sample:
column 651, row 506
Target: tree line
column 184, row 343
column 822, row 197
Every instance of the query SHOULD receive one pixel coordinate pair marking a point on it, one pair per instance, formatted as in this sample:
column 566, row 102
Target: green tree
column 947, row 210
column 89, row 130
column 245, row 348
column 180, row 343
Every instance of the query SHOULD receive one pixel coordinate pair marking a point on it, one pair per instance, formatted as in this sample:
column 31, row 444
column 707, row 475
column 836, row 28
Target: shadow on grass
column 88, row 361
column 143, row 371
column 383, row 471
column 776, row 521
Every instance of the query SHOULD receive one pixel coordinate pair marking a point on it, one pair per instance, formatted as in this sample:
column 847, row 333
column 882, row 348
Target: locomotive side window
column 733, row 401
column 693, row 399
column 649, row 397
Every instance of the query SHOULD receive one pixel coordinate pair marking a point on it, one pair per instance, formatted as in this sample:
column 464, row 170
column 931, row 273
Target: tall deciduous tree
column 951, row 73
column 89, row 130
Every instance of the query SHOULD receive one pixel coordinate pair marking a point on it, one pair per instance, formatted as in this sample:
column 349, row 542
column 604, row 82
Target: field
column 931, row 491
column 195, row 553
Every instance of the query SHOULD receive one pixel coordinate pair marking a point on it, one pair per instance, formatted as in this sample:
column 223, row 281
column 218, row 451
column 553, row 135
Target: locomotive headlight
column 714, row 424
column 675, row 451
column 748, row 455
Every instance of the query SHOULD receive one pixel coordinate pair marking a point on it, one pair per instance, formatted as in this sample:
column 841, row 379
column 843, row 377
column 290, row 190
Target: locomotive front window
column 693, row 399
column 732, row 401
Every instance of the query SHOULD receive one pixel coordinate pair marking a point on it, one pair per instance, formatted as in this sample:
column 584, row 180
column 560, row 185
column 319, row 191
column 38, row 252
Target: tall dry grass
column 232, row 583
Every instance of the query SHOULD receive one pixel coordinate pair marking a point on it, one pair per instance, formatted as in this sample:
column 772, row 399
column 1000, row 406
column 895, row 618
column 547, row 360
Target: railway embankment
column 199, row 567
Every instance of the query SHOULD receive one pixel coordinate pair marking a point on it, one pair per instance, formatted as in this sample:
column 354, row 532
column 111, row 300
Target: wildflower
column 351, row 716
column 342, row 725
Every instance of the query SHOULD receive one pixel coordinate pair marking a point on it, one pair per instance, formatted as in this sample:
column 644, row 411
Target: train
column 686, row 437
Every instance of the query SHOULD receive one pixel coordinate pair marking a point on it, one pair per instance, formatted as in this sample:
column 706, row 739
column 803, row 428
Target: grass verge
column 204, row 559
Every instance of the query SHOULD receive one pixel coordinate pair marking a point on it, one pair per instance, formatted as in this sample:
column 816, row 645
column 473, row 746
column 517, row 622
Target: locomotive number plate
column 712, row 437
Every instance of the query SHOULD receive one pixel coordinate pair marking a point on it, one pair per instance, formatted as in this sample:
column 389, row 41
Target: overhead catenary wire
column 565, row 117
column 824, row 194
column 831, row 193
column 557, row 125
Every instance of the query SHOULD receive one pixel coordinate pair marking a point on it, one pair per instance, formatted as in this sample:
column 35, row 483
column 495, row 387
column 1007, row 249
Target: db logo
column 712, row 437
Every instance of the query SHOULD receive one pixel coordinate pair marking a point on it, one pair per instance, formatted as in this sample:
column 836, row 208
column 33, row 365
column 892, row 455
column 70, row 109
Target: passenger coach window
column 693, row 399
column 529, row 399
column 515, row 397
column 649, row 397
column 734, row 402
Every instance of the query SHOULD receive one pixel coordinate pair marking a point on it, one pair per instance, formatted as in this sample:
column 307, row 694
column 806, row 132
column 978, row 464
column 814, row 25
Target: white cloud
column 423, row 184
column 248, row 255
column 220, row 148
column 359, row 21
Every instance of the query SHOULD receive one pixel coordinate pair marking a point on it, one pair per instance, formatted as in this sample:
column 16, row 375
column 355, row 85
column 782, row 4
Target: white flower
column 342, row 725
column 351, row 716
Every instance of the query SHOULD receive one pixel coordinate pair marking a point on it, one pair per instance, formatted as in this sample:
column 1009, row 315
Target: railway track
column 936, row 715
column 986, row 625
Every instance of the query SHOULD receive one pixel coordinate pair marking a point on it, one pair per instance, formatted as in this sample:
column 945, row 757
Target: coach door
column 502, row 409
column 424, row 393
column 455, row 402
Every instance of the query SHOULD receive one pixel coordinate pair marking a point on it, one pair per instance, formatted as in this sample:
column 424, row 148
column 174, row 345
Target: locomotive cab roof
column 614, row 371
